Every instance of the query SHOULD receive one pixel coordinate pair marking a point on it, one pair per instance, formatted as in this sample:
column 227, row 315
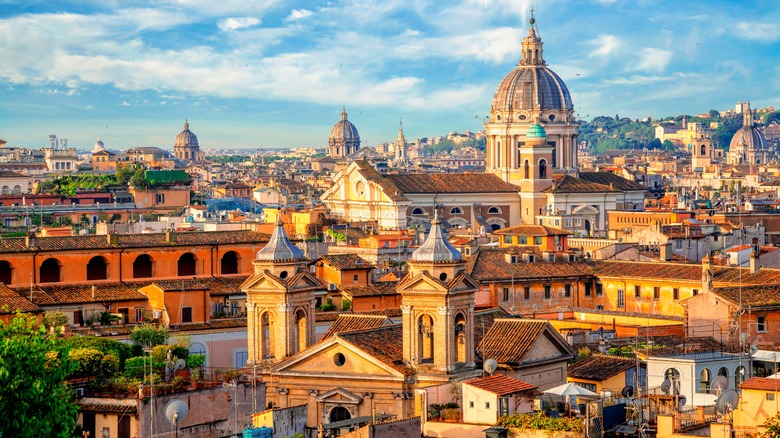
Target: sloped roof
column 384, row 343
column 346, row 261
column 510, row 339
column 532, row 230
column 500, row 385
column 763, row 295
column 761, row 384
column 51, row 294
column 371, row 290
column 616, row 181
column 11, row 302
column 451, row 183
column 600, row 367
column 490, row 265
column 570, row 184
column 351, row 322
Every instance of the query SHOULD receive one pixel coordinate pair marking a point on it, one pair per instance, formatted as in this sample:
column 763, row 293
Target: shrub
column 328, row 306
column 196, row 361
column 134, row 367
column 149, row 335
column 106, row 346
column 110, row 364
column 54, row 319
column 541, row 422
column 346, row 304
column 88, row 361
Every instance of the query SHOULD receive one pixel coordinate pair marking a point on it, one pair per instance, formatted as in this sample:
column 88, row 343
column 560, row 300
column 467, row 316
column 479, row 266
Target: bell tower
column 437, row 301
column 536, row 166
column 279, row 301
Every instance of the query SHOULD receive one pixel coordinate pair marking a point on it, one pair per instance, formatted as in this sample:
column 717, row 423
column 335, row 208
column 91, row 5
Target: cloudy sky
column 275, row 73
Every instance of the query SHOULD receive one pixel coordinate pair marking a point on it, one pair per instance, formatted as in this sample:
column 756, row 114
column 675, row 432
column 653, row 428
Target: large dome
column 344, row 130
column 186, row 137
column 532, row 86
column 749, row 138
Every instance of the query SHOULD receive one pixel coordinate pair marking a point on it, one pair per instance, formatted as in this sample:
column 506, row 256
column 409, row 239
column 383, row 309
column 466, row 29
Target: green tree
column 139, row 177
column 123, row 174
column 774, row 116
column 33, row 364
column 149, row 335
column 714, row 114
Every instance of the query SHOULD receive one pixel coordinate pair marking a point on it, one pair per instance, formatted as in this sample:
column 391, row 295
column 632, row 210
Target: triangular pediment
column 323, row 359
column 465, row 282
column 341, row 395
column 585, row 209
column 422, row 283
column 261, row 282
column 304, row 281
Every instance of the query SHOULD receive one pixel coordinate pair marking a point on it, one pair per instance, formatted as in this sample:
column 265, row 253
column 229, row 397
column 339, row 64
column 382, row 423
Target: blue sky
column 275, row 73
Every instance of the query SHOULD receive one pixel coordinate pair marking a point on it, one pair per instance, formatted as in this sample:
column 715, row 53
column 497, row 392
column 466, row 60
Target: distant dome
column 536, row 131
column 750, row 138
column 99, row 146
column 344, row 131
column 186, row 137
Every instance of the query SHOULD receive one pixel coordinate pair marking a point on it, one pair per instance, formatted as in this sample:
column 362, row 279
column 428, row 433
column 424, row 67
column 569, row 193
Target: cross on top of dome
column 532, row 45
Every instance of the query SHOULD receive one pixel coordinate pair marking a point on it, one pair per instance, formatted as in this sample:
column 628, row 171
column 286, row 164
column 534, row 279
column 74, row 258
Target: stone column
column 251, row 328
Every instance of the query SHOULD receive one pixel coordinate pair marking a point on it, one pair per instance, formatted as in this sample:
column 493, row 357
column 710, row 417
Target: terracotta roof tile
column 600, row 367
column 351, row 322
column 490, row 265
column 532, row 230
column 767, row 295
column 11, row 302
column 761, row 383
column 500, row 385
column 607, row 178
column 384, row 343
column 77, row 293
column 346, row 261
column 570, row 184
column 508, row 340
column 451, row 183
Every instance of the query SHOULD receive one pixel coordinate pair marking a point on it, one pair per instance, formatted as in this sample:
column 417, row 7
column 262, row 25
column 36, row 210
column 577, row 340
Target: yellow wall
column 664, row 305
column 755, row 409
column 614, row 383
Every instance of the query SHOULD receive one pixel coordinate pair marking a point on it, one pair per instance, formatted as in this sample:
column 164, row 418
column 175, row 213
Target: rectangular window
column 538, row 240
column 355, row 277
column 567, row 290
column 587, row 289
column 637, row 291
column 567, row 223
column 578, row 222
column 761, row 324
column 557, row 222
column 139, row 314
column 599, row 307
column 676, row 293
column 506, row 294
column 527, row 293
column 471, row 404
column 656, row 293
column 621, row 298
column 547, row 293
column 508, row 239
column 487, row 405
column 160, row 198
column 186, row 314
column 599, row 289
column 522, row 240
column 770, row 396
column 694, row 292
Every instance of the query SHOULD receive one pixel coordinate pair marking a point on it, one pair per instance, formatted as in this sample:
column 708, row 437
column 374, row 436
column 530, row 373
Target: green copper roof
column 536, row 131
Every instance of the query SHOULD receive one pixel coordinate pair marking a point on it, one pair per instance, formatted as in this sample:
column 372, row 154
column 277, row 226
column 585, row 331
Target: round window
column 339, row 359
column 522, row 117
column 443, row 276
column 283, row 275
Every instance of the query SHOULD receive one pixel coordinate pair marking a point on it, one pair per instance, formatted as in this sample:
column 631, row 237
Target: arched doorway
column 6, row 272
column 229, row 263
column 339, row 413
column 142, row 266
column 97, row 269
column 460, row 338
column 267, row 335
column 188, row 265
column 300, row 329
column 425, row 340
column 51, row 271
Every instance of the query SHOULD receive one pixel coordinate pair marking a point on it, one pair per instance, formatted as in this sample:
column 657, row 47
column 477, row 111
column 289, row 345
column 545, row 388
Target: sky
column 276, row 73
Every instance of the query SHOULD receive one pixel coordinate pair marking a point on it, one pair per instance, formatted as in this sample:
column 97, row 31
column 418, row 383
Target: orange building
column 540, row 236
column 343, row 270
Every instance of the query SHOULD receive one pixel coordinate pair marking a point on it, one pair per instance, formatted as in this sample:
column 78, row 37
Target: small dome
column 279, row 248
column 436, row 248
column 536, row 131
column 99, row 146
column 344, row 130
column 186, row 137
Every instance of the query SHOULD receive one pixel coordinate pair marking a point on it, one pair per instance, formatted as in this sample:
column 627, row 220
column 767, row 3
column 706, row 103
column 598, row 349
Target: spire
column 343, row 113
column 186, row 125
column 436, row 248
column 532, row 45
column 279, row 248
column 747, row 116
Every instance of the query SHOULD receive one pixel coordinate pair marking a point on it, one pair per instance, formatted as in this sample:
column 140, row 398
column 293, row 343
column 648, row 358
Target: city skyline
column 249, row 74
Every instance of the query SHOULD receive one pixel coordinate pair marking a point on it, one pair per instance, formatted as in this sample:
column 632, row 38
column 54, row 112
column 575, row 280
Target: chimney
column 755, row 256
column 94, row 291
column 666, row 252
column 706, row 274
column 170, row 236
column 31, row 240
column 112, row 238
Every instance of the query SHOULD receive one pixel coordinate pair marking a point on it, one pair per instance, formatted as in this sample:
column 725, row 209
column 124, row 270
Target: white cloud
column 230, row 24
column 299, row 14
column 605, row 44
column 767, row 32
column 652, row 59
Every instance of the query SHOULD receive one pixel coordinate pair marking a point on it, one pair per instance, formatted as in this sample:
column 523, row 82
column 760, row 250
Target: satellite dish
column 683, row 399
column 753, row 349
column 179, row 365
column 627, row 391
column 744, row 336
column 727, row 401
column 720, row 384
column 666, row 386
column 489, row 366
column 175, row 411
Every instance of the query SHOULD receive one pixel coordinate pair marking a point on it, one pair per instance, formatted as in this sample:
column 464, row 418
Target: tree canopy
column 33, row 364
column 606, row 133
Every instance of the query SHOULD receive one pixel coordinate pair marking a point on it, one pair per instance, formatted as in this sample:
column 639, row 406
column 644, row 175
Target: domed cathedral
column 748, row 146
column 279, row 301
column 344, row 139
column 186, row 147
column 530, row 94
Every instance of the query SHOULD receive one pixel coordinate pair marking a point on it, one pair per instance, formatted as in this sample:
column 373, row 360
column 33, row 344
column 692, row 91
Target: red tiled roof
column 616, row 181
column 500, row 385
column 570, row 184
column 384, row 343
column 11, row 302
column 484, row 319
column 508, row 340
column 351, row 322
column 346, row 261
column 532, row 230
column 600, row 367
column 761, row 383
column 490, row 265
column 722, row 275
column 451, row 183
column 768, row 295
column 53, row 294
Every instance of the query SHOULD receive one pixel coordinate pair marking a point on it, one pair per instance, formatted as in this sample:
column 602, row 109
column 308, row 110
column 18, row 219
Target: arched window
column 460, row 338
column 418, row 211
column 17, row 189
column 703, row 150
column 425, row 339
column 494, row 210
column 456, row 210
column 267, row 335
column 723, row 371
column 339, row 413
column 97, row 269
column 300, row 331
column 142, row 266
column 542, row 169
column 6, row 273
column 5, row 190
column 51, row 271
column 187, row 265
column 704, row 380
column 527, row 170
column 230, row 263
